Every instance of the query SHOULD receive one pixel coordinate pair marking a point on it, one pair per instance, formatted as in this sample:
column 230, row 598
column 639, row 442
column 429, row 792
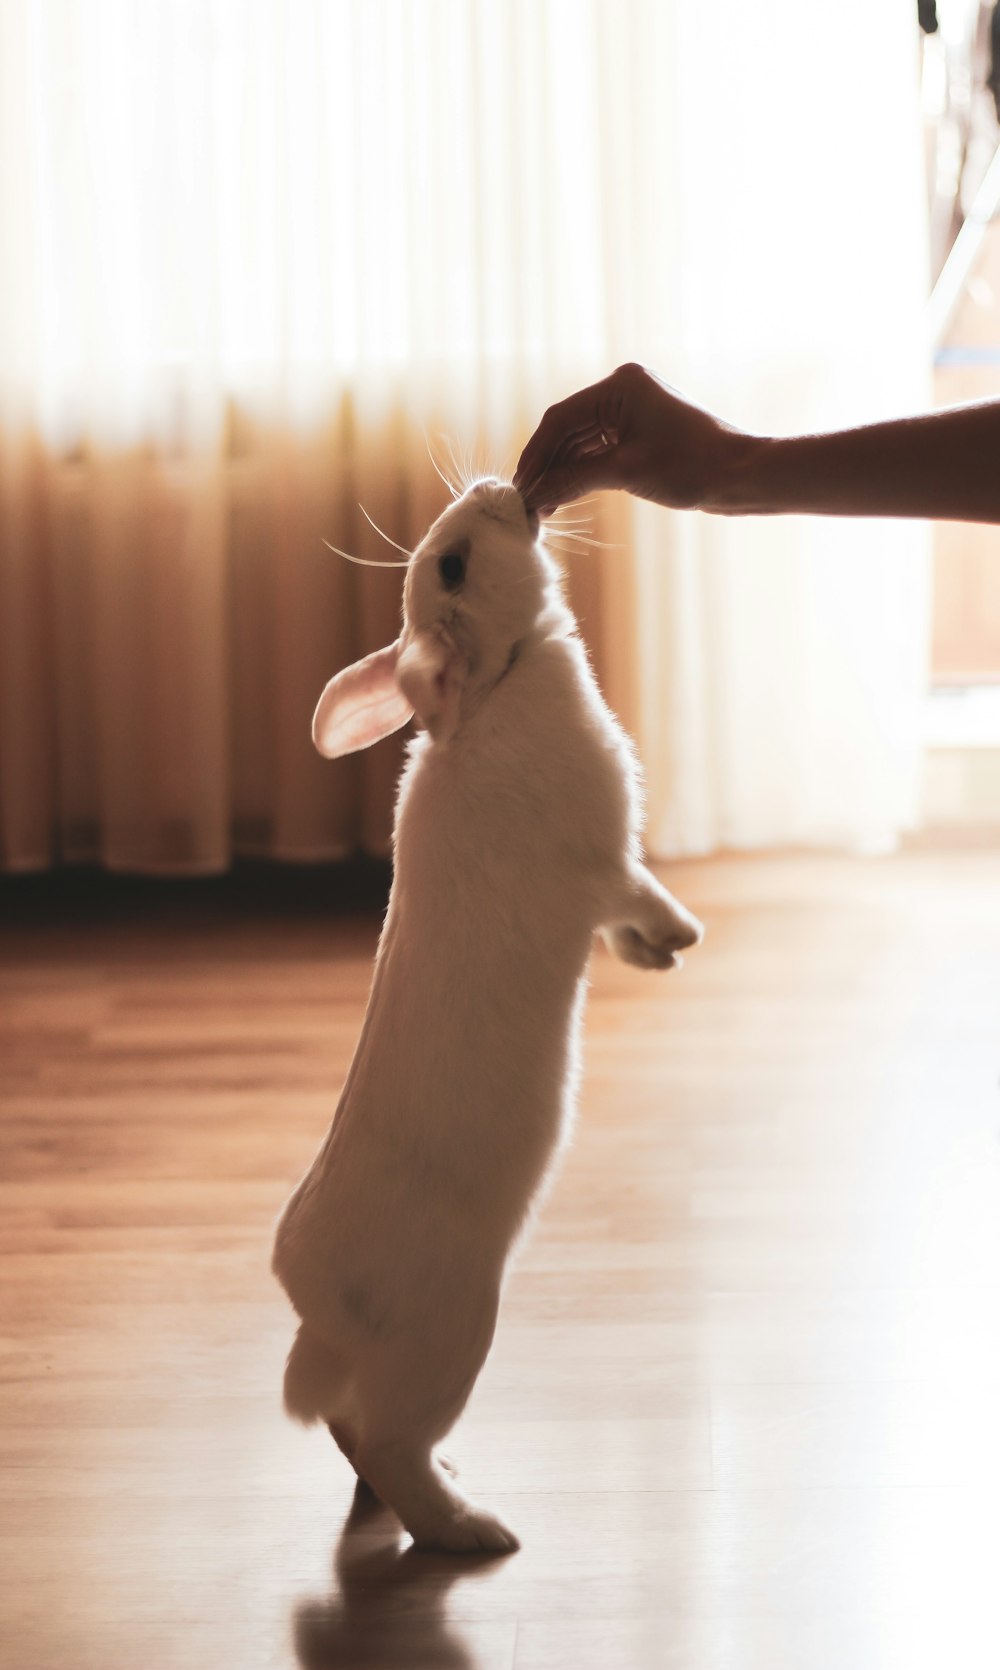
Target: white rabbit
column 517, row 835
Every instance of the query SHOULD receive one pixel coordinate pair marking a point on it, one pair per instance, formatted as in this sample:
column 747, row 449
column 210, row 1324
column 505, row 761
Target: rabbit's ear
column 361, row 705
column 431, row 674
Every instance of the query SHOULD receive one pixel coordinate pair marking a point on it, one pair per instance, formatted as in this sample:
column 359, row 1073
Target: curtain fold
column 262, row 258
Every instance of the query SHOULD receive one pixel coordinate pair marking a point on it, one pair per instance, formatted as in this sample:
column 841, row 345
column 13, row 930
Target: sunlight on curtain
column 255, row 250
column 778, row 694
column 272, row 203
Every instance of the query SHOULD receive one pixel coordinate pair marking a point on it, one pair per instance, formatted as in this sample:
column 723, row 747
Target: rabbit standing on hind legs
column 516, row 837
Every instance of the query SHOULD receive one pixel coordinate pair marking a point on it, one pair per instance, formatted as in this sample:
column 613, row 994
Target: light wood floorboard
column 743, row 1402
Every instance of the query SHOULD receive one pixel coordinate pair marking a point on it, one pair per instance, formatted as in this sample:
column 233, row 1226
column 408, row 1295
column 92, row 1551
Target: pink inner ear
column 361, row 705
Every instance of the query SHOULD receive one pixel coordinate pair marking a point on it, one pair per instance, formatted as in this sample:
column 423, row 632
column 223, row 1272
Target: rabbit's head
column 479, row 588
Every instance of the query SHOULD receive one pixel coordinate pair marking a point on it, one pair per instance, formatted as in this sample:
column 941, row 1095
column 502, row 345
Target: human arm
column 632, row 431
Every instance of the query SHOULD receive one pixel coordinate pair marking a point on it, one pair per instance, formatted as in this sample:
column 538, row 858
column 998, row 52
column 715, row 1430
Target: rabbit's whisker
column 458, row 469
column 364, row 562
column 585, row 539
column 453, row 490
column 573, row 505
column 407, row 554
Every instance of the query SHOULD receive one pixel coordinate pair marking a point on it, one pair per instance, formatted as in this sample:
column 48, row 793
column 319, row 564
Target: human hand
column 634, row 432
column 630, row 431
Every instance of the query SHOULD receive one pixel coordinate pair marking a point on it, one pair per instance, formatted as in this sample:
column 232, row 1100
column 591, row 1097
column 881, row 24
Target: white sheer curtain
column 779, row 690
column 254, row 249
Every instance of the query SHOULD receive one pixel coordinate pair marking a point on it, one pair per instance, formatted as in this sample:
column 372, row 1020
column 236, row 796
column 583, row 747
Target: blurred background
column 264, row 262
column 261, row 260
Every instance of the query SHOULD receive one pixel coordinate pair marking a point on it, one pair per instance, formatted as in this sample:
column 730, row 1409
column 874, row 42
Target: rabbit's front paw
column 646, row 925
column 633, row 947
column 657, row 938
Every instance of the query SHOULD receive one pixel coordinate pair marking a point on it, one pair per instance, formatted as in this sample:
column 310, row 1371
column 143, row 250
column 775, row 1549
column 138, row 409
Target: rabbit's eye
column 451, row 568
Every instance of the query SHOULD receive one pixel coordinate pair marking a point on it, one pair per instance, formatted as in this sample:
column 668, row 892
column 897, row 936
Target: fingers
column 588, row 473
column 631, row 431
column 580, row 426
column 561, row 422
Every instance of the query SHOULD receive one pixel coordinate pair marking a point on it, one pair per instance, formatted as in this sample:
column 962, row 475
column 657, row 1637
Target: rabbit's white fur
column 517, row 835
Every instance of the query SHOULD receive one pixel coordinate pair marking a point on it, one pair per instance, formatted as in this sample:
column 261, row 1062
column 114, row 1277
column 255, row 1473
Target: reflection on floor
column 742, row 1403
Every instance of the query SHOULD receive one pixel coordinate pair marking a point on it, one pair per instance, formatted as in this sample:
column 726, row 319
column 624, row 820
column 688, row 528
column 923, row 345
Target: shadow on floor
column 387, row 1607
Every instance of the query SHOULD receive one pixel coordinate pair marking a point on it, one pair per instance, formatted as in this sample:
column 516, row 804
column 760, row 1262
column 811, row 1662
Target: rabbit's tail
column 316, row 1379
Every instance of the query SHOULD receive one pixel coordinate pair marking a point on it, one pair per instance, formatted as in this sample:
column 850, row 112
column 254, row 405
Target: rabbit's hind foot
column 434, row 1512
column 347, row 1445
column 476, row 1532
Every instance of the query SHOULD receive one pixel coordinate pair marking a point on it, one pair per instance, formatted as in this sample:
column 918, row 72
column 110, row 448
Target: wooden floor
column 744, row 1402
